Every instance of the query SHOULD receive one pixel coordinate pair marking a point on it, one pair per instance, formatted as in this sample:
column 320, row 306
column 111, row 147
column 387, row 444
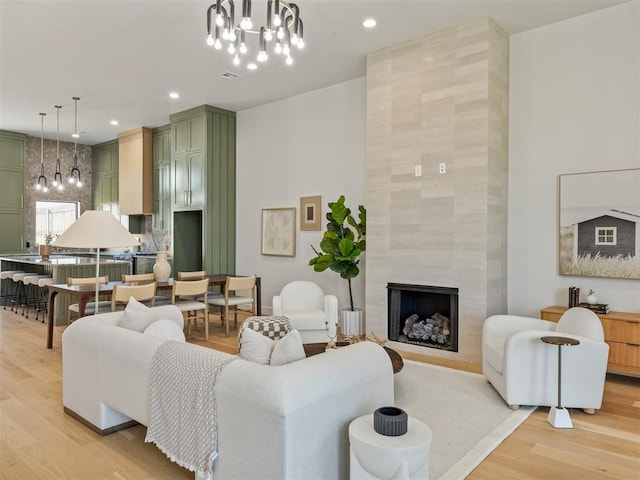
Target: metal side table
column 559, row 416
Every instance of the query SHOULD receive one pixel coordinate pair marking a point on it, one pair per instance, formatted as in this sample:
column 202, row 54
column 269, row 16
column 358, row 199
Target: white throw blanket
column 182, row 403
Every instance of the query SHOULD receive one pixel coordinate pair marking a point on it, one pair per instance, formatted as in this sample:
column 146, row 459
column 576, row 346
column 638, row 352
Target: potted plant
column 45, row 250
column 342, row 244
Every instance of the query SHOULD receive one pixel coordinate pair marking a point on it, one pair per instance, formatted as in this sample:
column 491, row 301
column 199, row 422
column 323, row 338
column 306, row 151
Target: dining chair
column 235, row 284
column 192, row 275
column 90, row 308
column 122, row 293
column 145, row 278
column 184, row 295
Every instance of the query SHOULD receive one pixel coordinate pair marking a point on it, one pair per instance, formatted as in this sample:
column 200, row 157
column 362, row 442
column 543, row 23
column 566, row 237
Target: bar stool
column 18, row 289
column 30, row 292
column 7, row 285
column 43, row 303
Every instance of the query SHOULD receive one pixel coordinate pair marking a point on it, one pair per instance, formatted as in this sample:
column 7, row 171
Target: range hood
column 135, row 172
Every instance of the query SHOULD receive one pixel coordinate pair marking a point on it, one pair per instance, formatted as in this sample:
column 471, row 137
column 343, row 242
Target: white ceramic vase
column 592, row 299
column 162, row 268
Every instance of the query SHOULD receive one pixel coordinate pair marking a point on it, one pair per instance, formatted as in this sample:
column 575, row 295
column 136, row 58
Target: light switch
column 418, row 171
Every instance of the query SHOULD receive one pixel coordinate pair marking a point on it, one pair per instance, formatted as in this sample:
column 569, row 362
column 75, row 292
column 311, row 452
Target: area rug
column 466, row 415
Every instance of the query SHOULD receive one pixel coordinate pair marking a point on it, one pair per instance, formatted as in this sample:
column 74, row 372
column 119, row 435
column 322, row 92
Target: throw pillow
column 137, row 316
column 288, row 349
column 256, row 347
column 165, row 330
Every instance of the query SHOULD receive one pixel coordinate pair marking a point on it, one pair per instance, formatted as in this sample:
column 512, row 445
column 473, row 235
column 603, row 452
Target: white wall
column 311, row 144
column 574, row 107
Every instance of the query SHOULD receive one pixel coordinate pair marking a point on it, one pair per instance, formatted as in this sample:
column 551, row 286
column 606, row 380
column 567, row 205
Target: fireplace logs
column 434, row 329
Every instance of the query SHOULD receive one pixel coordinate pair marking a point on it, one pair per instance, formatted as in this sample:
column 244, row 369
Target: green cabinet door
column 188, row 180
column 12, row 189
column 12, row 238
column 161, row 218
column 188, row 134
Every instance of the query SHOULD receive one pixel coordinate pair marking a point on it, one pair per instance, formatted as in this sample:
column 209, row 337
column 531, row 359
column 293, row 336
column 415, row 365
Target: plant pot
column 45, row 251
column 352, row 322
column 390, row 421
column 162, row 268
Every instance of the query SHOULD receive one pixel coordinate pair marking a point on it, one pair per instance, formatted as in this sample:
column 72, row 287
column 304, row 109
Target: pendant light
column 74, row 175
column 42, row 180
column 57, row 176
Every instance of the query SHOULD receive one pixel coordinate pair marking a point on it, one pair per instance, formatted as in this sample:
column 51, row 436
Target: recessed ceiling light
column 369, row 23
column 114, row 122
column 252, row 66
column 174, row 95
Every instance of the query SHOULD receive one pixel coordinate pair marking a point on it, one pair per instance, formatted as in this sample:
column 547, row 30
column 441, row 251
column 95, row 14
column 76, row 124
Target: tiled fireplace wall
column 442, row 98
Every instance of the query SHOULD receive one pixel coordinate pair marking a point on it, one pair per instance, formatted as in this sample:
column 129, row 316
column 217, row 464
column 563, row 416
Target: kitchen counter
column 60, row 267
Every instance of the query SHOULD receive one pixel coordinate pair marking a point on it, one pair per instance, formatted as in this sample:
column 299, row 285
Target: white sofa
column 524, row 370
column 309, row 310
column 284, row 422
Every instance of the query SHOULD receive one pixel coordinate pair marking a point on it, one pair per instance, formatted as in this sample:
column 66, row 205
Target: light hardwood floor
column 39, row 441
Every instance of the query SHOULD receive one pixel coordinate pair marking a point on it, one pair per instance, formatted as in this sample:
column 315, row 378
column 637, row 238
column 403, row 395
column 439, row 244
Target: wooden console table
column 622, row 334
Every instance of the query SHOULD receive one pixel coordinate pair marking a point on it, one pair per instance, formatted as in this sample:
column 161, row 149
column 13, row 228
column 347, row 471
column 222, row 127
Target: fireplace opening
column 423, row 315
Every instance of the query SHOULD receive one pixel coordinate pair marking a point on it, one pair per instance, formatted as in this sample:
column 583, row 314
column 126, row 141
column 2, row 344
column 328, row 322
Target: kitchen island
column 60, row 267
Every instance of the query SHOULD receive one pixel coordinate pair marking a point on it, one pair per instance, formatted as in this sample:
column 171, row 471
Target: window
column 606, row 236
column 53, row 218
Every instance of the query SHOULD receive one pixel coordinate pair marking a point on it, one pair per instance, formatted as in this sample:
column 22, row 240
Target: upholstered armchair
column 308, row 308
column 524, row 370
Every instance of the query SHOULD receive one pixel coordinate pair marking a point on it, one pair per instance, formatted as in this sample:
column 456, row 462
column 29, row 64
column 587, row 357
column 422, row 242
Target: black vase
column 390, row 421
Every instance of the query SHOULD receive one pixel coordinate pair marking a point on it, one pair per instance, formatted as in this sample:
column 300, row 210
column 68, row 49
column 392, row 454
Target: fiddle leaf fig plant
column 342, row 243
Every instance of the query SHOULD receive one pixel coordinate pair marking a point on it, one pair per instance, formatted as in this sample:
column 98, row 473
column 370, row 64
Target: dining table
column 84, row 293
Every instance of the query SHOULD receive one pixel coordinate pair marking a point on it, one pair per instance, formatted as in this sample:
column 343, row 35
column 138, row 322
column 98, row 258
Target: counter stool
column 43, row 299
column 19, row 290
column 30, row 292
column 7, row 285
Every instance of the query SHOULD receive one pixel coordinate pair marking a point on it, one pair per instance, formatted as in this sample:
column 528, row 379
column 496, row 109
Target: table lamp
column 96, row 229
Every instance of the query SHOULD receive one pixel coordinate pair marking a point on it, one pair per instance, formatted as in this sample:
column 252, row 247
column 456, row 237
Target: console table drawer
column 621, row 331
column 624, row 357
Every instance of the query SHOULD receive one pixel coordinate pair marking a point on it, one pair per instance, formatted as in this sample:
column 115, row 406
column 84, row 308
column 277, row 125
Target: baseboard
column 106, row 431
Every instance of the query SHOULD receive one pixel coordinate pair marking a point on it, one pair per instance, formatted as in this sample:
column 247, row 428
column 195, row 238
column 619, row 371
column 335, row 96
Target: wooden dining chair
column 184, row 295
column 145, row 278
column 90, row 308
column 235, row 284
column 192, row 275
column 142, row 293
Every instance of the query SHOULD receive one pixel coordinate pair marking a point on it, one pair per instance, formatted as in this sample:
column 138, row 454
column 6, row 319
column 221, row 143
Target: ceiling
column 122, row 58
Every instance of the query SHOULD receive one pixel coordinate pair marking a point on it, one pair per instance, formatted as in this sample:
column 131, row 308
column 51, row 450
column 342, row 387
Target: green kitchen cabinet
column 187, row 134
column 105, row 176
column 203, row 181
column 161, row 218
column 13, row 148
column 188, row 174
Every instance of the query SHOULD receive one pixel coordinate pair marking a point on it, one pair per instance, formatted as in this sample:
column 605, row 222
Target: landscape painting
column 599, row 226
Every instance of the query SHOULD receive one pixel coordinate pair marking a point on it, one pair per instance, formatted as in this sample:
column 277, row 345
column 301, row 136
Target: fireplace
column 423, row 315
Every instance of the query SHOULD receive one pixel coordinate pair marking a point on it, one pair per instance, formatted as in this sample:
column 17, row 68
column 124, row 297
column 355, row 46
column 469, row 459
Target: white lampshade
column 96, row 229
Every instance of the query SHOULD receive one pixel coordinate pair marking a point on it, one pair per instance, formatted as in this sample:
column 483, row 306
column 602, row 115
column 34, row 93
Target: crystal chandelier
column 41, row 184
column 74, row 174
column 283, row 28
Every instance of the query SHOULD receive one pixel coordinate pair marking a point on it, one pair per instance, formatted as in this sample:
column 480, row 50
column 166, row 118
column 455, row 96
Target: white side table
column 374, row 456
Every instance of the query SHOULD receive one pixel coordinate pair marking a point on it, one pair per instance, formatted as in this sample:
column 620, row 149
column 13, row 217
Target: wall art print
column 599, row 224
column 279, row 232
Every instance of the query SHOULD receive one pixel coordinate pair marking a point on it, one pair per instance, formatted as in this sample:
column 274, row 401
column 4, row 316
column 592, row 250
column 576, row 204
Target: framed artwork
column 279, row 232
column 310, row 212
column 599, row 224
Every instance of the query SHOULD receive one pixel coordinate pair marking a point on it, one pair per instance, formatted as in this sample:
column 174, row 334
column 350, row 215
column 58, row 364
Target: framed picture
column 279, row 232
column 599, row 224
column 310, row 212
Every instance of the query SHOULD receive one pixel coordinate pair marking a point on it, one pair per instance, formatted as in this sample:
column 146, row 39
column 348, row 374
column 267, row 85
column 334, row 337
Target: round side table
column 559, row 416
column 374, row 456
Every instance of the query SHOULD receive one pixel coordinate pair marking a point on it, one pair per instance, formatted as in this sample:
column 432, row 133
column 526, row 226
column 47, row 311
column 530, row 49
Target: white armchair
column 524, row 370
column 308, row 308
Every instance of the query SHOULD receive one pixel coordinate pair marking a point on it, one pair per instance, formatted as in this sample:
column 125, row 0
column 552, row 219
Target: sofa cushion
column 256, row 347
column 165, row 330
column 307, row 319
column 287, row 349
column 136, row 316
